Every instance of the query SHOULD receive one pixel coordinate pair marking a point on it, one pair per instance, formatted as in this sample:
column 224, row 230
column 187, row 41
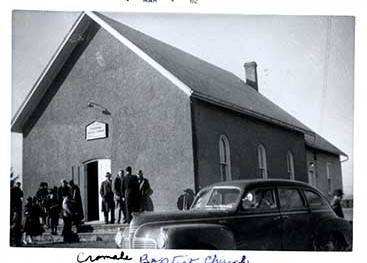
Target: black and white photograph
column 182, row 131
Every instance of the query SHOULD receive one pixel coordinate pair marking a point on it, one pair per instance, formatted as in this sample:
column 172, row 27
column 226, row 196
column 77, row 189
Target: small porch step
column 88, row 232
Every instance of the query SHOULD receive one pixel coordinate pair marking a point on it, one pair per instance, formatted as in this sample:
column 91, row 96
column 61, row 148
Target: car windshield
column 217, row 199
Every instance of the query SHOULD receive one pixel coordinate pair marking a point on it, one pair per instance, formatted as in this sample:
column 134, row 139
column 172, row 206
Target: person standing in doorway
column 117, row 190
column 130, row 192
column 145, row 202
column 108, row 204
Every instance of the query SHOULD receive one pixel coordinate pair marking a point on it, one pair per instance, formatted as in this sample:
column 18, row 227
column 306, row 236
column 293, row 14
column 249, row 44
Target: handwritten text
column 81, row 258
column 188, row 259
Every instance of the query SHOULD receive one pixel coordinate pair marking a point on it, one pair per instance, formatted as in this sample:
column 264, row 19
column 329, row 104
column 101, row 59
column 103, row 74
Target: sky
column 305, row 64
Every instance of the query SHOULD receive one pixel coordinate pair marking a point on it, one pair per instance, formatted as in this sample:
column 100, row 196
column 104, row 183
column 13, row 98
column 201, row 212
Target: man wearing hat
column 108, row 204
column 145, row 202
column 336, row 202
column 130, row 192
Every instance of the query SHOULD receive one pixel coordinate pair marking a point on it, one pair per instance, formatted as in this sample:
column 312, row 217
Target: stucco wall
column 320, row 160
column 149, row 125
column 244, row 135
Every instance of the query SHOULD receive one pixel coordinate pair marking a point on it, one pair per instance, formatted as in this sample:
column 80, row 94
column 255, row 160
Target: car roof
column 260, row 182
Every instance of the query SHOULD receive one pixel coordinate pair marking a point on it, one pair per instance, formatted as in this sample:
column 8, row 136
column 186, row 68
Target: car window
column 217, row 198
column 290, row 198
column 259, row 199
column 201, row 199
column 314, row 200
column 223, row 197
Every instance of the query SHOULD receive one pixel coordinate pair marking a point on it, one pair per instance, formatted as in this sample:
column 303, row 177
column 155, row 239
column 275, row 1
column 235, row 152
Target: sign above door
column 96, row 130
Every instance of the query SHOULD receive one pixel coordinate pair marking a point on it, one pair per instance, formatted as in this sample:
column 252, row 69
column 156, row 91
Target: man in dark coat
column 145, row 202
column 54, row 212
column 16, row 197
column 76, row 199
column 336, row 202
column 130, row 192
column 117, row 190
column 108, row 204
column 32, row 213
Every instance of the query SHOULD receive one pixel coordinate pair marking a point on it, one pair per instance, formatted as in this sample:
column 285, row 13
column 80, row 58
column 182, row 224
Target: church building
column 113, row 97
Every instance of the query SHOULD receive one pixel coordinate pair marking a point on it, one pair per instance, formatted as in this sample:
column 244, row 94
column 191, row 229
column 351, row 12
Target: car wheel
column 332, row 242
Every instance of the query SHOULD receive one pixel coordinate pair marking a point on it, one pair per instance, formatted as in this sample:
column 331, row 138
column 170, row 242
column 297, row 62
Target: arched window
column 224, row 158
column 290, row 165
column 262, row 166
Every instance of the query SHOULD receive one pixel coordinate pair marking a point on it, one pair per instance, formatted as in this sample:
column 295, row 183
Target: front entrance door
column 94, row 175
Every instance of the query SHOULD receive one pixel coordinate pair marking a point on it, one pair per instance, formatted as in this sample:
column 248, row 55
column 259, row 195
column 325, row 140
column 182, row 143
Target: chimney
column 251, row 74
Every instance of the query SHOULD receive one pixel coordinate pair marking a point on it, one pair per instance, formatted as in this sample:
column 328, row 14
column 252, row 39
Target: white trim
column 140, row 53
column 46, row 69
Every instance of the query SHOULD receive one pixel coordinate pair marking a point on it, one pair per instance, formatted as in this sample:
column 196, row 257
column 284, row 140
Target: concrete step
column 89, row 232
column 102, row 227
column 83, row 237
column 96, row 227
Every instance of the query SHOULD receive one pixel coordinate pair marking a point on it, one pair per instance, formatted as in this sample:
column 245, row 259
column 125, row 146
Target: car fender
column 199, row 236
column 338, row 226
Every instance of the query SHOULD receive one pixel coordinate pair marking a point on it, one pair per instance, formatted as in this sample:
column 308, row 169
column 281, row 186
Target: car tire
column 331, row 242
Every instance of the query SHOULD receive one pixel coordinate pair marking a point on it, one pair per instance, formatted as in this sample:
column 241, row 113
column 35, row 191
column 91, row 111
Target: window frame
column 256, row 209
column 262, row 163
column 324, row 201
column 300, row 193
column 224, row 158
column 290, row 165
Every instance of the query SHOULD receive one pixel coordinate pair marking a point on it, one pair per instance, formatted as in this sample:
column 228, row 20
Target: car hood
column 146, row 217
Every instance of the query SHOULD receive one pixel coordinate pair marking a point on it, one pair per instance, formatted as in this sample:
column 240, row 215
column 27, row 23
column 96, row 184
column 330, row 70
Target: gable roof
column 192, row 75
column 206, row 80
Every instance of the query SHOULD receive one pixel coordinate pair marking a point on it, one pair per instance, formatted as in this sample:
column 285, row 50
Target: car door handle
column 285, row 217
column 277, row 218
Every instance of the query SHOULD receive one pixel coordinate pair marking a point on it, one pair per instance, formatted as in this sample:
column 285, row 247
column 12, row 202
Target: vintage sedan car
column 244, row 215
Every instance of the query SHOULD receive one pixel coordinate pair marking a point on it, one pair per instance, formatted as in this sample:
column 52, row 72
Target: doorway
column 94, row 175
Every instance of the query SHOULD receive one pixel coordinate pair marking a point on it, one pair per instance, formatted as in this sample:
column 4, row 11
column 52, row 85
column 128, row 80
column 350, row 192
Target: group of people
column 43, row 210
column 126, row 193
